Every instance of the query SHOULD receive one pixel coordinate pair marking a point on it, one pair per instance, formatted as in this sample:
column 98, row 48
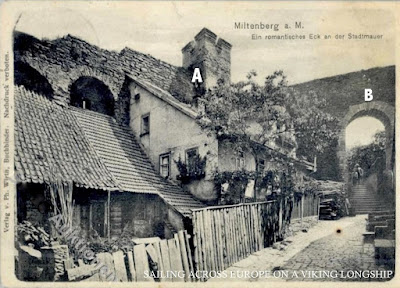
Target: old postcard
column 233, row 144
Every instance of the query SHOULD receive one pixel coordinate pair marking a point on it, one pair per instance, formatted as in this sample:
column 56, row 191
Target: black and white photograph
column 198, row 143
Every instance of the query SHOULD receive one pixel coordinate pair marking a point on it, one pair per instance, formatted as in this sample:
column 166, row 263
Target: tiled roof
column 86, row 147
column 49, row 144
column 165, row 96
column 124, row 158
column 175, row 80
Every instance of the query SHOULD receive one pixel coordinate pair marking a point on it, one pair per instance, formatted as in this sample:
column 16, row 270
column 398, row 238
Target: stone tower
column 211, row 55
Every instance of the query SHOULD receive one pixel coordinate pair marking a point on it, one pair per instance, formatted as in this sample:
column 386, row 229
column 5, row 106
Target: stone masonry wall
column 212, row 56
column 344, row 95
column 343, row 91
column 63, row 61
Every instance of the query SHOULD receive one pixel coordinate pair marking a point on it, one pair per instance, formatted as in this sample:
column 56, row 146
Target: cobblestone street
column 340, row 251
column 328, row 246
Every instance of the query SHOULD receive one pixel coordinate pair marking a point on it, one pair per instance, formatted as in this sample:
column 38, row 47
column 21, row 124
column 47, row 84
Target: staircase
column 365, row 201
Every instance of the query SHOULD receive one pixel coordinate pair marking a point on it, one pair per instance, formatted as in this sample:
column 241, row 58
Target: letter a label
column 197, row 76
column 368, row 95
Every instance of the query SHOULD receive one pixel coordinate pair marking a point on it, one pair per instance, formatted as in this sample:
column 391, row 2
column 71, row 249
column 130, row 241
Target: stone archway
column 92, row 94
column 27, row 76
column 114, row 85
column 377, row 109
column 62, row 75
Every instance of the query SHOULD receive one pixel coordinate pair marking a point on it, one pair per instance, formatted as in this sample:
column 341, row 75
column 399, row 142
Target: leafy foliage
column 316, row 130
column 306, row 187
column 251, row 116
column 370, row 157
column 246, row 112
column 237, row 182
column 279, row 183
column 196, row 170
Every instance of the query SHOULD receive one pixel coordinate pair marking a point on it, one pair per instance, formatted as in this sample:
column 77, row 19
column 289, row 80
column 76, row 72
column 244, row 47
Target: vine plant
column 195, row 171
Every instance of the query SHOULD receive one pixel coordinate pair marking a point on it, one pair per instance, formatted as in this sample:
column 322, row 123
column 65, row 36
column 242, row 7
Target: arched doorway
column 92, row 94
column 32, row 80
column 366, row 150
column 378, row 110
column 366, row 141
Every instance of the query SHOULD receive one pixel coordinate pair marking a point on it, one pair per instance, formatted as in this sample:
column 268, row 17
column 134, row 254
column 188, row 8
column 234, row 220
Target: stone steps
column 364, row 201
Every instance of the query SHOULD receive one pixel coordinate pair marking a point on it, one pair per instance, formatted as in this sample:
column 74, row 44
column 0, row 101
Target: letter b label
column 368, row 95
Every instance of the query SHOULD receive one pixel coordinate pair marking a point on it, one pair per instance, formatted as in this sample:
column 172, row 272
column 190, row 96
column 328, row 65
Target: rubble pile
column 32, row 236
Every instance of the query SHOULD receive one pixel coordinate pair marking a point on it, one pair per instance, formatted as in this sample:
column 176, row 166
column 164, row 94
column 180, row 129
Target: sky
column 162, row 29
column 360, row 131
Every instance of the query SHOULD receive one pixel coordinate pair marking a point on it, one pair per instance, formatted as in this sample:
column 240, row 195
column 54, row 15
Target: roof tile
column 132, row 170
column 89, row 148
column 44, row 146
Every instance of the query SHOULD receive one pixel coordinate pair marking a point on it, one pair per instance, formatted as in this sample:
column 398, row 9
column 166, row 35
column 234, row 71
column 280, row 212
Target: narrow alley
column 329, row 246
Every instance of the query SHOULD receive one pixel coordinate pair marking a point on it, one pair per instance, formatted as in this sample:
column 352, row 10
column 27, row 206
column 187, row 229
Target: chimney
column 211, row 55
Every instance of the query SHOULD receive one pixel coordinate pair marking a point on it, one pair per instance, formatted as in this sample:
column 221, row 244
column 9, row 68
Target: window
column 165, row 165
column 145, row 125
column 191, row 159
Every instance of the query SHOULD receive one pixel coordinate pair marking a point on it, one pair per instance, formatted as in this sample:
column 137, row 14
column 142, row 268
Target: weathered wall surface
column 175, row 219
column 344, row 95
column 212, row 56
column 343, row 91
column 139, row 215
column 64, row 60
column 172, row 131
column 228, row 158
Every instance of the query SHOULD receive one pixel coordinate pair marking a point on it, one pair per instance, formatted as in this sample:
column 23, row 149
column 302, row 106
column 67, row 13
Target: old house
column 115, row 185
column 122, row 127
column 166, row 126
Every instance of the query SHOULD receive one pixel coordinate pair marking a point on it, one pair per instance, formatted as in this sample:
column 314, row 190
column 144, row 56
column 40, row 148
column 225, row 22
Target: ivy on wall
column 278, row 183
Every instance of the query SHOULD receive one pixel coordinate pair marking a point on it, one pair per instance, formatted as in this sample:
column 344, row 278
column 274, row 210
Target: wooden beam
column 81, row 272
column 120, row 268
column 131, row 266
column 141, row 263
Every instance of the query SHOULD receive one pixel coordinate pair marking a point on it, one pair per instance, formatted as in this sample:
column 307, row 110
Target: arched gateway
column 379, row 110
column 378, row 195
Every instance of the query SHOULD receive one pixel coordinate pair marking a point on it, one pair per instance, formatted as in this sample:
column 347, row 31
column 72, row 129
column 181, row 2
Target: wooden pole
column 108, row 215
column 302, row 209
column 90, row 216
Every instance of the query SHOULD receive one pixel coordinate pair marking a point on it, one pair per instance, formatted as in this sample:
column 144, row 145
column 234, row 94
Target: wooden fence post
column 226, row 234
column 302, row 209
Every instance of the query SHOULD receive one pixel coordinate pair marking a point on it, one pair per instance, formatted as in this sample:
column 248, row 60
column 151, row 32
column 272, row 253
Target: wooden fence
column 307, row 206
column 223, row 235
column 172, row 259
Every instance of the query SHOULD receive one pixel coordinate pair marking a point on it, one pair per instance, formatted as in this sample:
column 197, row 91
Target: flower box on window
column 191, row 170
